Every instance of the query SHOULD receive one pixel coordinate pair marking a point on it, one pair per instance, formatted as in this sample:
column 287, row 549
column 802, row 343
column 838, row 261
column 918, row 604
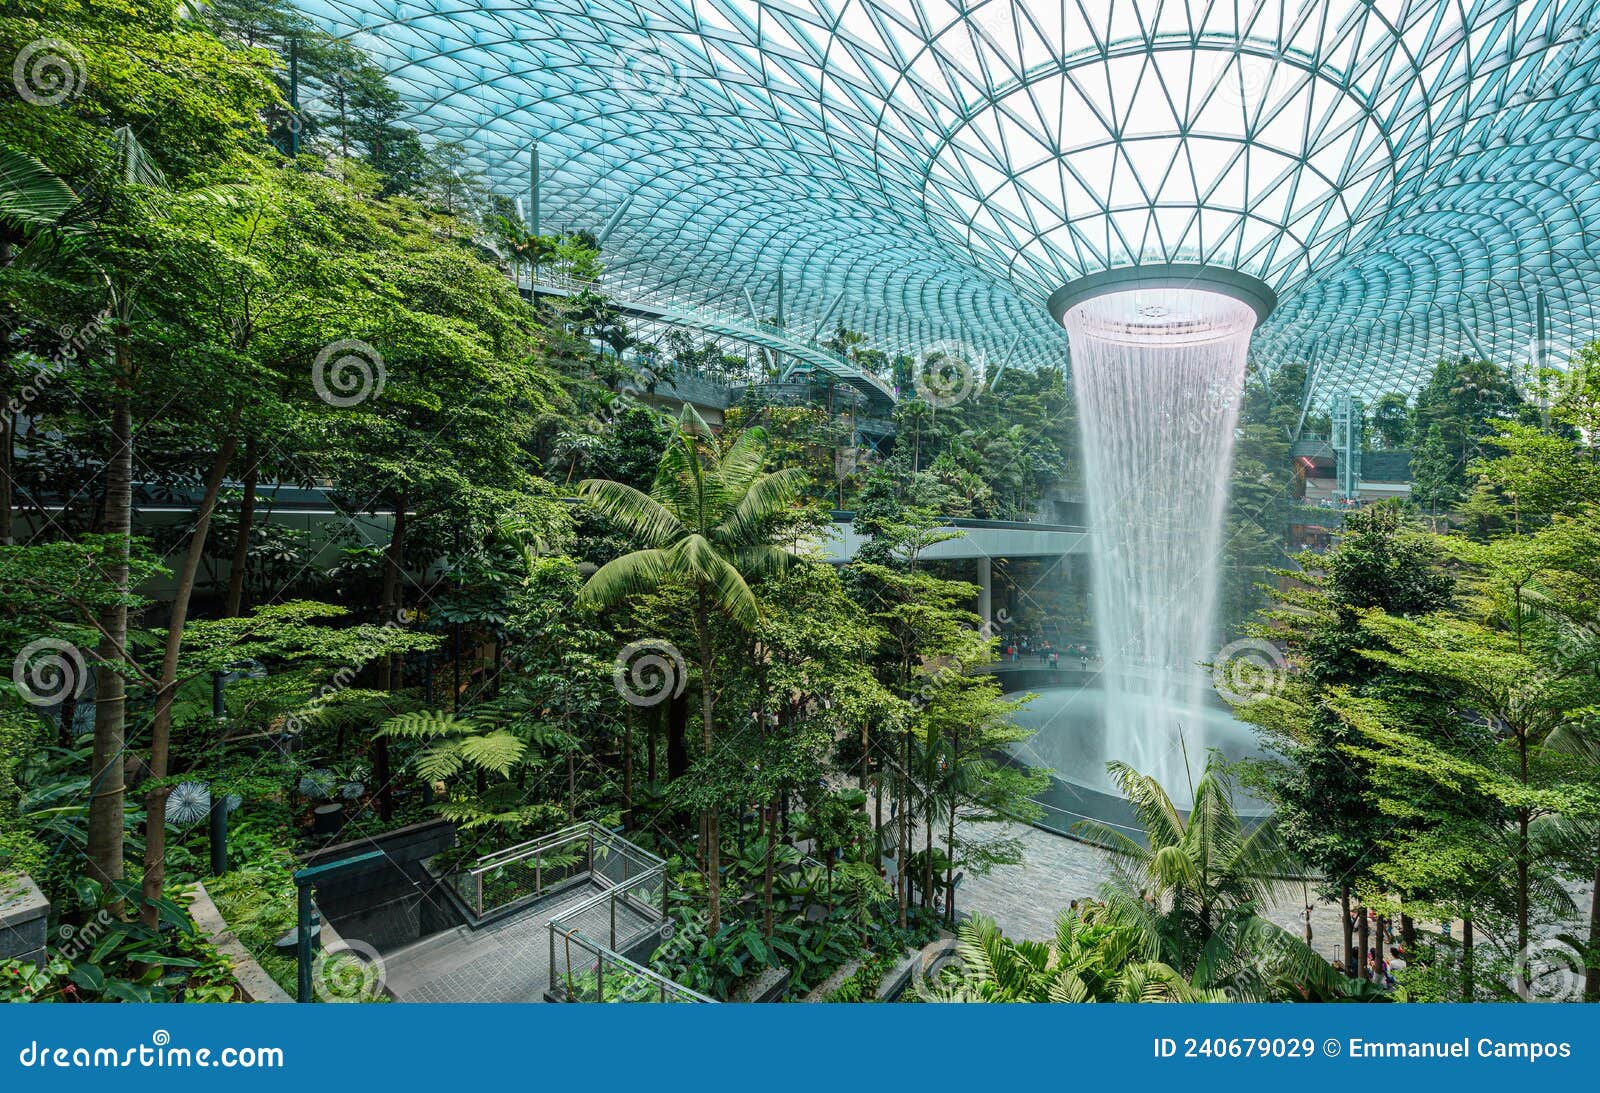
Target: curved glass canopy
column 1411, row 178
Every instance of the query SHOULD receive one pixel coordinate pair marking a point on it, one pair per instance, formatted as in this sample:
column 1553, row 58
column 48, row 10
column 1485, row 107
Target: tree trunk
column 903, row 838
column 65, row 736
column 1523, row 852
column 1350, row 963
column 677, row 737
column 1364, row 933
column 650, row 747
column 1468, row 987
column 950, row 870
column 1408, row 933
column 627, row 771
column 1591, row 973
column 241, row 543
column 393, row 571
column 769, row 820
column 106, row 769
column 155, row 801
column 713, row 817
column 8, row 433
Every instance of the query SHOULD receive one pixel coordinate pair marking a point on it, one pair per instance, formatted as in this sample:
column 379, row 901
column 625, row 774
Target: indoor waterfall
column 1158, row 374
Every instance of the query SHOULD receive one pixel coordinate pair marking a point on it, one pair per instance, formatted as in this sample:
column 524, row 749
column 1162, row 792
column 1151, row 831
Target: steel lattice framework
column 1413, row 178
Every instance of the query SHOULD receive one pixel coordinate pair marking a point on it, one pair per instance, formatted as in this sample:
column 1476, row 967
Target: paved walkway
column 1025, row 899
column 506, row 961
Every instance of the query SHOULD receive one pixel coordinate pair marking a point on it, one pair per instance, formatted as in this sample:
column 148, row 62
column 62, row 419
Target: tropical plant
column 1089, row 961
column 1190, row 889
column 704, row 527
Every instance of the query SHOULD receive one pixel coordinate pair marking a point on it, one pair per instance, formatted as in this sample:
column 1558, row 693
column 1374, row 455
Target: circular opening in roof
column 1164, row 304
column 1160, row 317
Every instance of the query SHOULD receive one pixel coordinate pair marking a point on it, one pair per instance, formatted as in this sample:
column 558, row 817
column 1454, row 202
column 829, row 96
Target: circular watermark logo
column 349, row 971
column 648, row 672
column 650, row 78
column 928, row 973
column 347, row 373
column 948, row 374
column 48, row 72
column 1248, row 669
column 1548, row 971
column 1243, row 78
column 49, row 671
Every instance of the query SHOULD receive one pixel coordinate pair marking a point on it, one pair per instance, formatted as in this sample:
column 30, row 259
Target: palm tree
column 705, row 527
column 1192, row 886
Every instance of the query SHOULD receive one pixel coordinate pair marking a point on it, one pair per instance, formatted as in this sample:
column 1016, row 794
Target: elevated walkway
column 601, row 895
column 504, row 961
column 632, row 295
column 980, row 539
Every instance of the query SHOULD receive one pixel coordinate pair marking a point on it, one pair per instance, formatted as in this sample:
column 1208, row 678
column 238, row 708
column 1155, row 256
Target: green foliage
column 1189, row 889
column 1093, row 959
column 110, row 959
column 22, row 733
column 1324, row 811
column 258, row 902
column 1460, row 405
column 455, row 744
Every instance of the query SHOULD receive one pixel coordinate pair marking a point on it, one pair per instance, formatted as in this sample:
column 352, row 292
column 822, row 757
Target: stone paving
column 1025, row 899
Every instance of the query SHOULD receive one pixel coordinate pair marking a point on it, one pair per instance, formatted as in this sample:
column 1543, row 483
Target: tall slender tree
column 706, row 526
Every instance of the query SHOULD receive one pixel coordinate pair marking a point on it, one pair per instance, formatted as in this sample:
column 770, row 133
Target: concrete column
column 985, row 592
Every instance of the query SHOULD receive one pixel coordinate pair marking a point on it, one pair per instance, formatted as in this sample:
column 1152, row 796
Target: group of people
column 1014, row 649
column 1377, row 968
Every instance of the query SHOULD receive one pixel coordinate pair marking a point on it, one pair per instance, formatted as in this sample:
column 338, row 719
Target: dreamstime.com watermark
column 948, row 373
column 74, row 341
column 345, row 676
column 1549, row 971
column 649, row 671
column 348, row 971
column 347, row 373
column 1248, row 669
column 48, row 72
column 158, row 1054
column 49, row 671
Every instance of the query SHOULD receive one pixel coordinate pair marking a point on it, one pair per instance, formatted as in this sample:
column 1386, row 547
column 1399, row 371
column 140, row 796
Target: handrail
column 607, row 956
column 590, row 845
column 634, row 968
column 505, row 856
column 562, row 926
column 512, row 853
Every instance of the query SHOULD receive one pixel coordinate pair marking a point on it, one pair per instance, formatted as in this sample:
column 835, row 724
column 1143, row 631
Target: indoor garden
column 807, row 503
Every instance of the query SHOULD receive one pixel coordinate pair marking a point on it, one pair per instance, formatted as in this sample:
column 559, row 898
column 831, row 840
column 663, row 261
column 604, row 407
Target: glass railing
column 590, row 943
column 520, row 874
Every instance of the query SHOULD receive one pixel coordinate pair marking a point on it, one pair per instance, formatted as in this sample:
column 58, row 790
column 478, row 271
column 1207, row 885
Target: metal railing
column 517, row 875
column 626, row 915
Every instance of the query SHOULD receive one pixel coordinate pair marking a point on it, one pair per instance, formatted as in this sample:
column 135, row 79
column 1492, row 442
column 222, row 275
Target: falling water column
column 1158, row 374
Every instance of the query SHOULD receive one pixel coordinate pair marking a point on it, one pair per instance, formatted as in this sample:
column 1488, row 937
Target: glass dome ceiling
column 1412, row 178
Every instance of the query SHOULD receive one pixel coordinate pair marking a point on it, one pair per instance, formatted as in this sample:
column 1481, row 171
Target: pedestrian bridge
column 979, row 539
column 632, row 295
